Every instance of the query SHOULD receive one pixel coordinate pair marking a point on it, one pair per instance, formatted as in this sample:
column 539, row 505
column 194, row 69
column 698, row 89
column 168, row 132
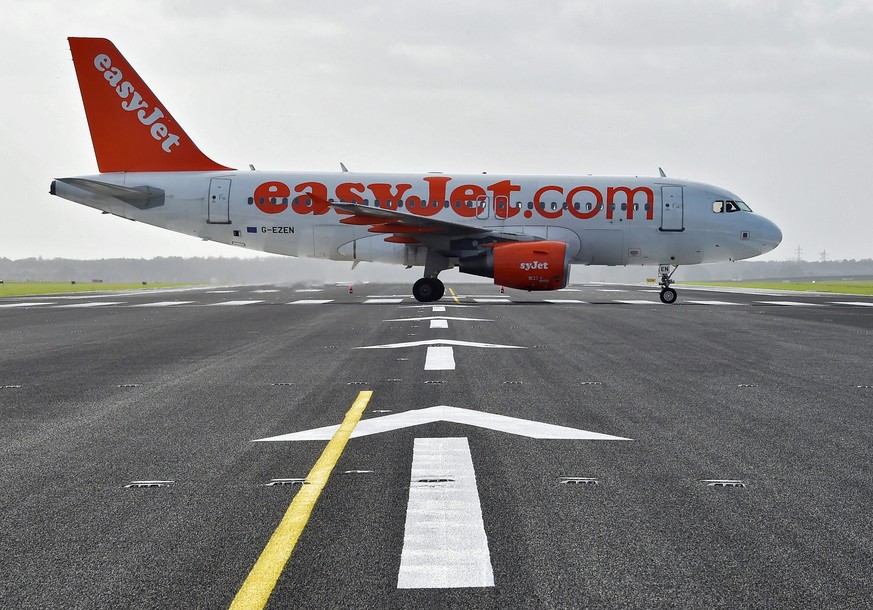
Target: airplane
column 523, row 231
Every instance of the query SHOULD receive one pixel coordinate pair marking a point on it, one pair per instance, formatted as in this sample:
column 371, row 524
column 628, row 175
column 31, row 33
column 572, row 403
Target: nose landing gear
column 668, row 295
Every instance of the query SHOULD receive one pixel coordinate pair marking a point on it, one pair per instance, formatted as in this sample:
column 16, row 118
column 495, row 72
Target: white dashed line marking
column 855, row 303
column 233, row 303
column 711, row 303
column 564, row 301
column 34, row 304
column 311, row 301
column 162, row 304
column 439, row 323
column 790, row 303
column 382, row 301
column 91, row 304
column 439, row 358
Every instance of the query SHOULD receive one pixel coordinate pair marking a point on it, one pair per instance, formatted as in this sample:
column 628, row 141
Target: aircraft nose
column 771, row 235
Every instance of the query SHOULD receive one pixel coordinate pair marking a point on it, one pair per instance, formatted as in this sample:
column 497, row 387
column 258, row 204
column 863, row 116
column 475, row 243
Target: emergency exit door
column 219, row 201
column 672, row 214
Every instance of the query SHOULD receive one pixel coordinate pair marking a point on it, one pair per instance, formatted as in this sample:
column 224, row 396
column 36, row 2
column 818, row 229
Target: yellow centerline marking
column 259, row 584
column 454, row 296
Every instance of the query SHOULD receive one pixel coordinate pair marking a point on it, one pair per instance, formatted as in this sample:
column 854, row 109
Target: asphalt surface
column 778, row 396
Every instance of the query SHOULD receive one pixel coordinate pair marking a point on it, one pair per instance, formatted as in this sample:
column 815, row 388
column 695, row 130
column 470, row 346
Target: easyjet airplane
column 522, row 231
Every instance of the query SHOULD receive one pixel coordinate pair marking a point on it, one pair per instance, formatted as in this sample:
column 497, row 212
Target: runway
column 621, row 453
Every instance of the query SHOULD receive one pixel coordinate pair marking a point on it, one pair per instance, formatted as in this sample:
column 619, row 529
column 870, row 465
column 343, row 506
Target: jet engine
column 536, row 265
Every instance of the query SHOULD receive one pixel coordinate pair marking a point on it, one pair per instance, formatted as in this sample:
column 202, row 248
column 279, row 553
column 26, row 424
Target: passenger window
column 718, row 207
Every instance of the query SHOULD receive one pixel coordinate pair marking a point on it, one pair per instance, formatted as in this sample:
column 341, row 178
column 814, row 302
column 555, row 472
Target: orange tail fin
column 130, row 128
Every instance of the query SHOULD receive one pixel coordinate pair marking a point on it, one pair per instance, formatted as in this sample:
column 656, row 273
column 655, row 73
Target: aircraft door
column 219, row 201
column 672, row 214
column 483, row 204
column 501, row 207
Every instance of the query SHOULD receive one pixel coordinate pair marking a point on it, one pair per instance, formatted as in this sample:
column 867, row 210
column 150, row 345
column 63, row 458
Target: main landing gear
column 428, row 289
column 668, row 295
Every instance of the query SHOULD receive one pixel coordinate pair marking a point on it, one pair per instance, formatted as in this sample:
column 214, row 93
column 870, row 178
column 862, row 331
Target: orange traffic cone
column 501, row 290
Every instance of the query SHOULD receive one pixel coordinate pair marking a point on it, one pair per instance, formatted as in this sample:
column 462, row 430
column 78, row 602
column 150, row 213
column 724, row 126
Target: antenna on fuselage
column 660, row 171
column 343, row 167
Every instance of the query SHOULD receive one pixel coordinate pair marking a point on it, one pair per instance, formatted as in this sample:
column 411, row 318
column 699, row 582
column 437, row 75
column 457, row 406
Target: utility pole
column 823, row 255
column 799, row 255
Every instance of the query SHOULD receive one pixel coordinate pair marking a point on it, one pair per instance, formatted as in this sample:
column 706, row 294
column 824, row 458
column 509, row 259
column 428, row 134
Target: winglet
column 130, row 129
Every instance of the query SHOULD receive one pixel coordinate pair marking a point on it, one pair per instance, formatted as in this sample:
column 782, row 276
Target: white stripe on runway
column 439, row 323
column 439, row 358
column 91, row 304
column 635, row 302
column 497, row 300
column 24, row 304
column 311, row 301
column 439, row 308
column 162, row 304
column 382, row 301
column 790, row 303
column 564, row 301
column 231, row 303
column 856, row 303
column 444, row 543
column 710, row 303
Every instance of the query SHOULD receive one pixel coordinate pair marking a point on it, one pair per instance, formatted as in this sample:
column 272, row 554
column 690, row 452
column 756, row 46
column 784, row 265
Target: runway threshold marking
column 454, row 296
column 258, row 586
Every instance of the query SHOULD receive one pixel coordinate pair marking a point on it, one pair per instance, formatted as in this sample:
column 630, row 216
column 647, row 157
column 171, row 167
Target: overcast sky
column 770, row 99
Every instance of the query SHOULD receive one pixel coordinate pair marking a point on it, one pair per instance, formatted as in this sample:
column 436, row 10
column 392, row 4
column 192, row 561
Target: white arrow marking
column 444, row 543
column 429, row 415
column 438, row 324
column 440, row 342
column 439, row 359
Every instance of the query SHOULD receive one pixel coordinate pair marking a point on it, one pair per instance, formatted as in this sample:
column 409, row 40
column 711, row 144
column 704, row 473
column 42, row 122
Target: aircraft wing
column 392, row 221
column 410, row 228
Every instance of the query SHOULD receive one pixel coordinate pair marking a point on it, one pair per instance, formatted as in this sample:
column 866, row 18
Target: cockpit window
column 729, row 205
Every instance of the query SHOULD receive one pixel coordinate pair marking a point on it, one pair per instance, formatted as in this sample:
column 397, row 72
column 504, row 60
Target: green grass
column 837, row 287
column 16, row 289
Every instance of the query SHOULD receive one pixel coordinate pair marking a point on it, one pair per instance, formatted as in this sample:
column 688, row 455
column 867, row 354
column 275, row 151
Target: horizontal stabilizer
column 142, row 197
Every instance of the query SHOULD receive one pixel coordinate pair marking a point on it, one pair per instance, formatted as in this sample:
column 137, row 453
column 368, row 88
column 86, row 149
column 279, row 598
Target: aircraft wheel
column 668, row 296
column 427, row 289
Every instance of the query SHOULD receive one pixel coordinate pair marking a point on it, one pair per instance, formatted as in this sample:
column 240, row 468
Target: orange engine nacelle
column 538, row 265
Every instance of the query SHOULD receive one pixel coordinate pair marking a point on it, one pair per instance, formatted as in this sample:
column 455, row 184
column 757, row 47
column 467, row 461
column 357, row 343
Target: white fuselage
column 604, row 220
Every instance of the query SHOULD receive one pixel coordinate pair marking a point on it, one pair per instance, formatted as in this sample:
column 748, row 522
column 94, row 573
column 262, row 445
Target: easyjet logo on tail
column 132, row 101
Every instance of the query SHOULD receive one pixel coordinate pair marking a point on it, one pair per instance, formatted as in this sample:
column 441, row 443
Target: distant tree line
column 286, row 270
